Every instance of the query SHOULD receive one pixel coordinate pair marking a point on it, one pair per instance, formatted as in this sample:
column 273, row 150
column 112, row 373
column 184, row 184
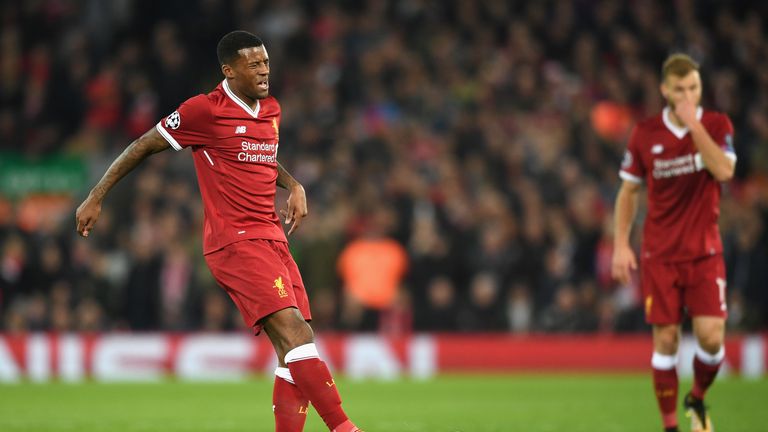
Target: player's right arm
column 187, row 126
column 148, row 144
column 624, row 260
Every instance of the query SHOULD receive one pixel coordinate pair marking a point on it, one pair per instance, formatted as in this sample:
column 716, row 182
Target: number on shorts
column 721, row 288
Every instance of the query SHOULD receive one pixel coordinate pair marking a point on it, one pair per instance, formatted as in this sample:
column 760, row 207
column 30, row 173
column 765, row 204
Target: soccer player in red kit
column 682, row 155
column 233, row 133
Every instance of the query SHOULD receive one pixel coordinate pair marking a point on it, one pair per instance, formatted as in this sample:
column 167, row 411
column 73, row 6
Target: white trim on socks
column 663, row 361
column 710, row 359
column 285, row 374
column 302, row 352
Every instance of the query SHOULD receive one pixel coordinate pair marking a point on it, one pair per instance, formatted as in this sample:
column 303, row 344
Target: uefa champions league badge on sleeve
column 627, row 161
column 173, row 121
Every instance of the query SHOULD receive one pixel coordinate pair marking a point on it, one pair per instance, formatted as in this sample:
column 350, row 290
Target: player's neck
column 252, row 103
column 675, row 119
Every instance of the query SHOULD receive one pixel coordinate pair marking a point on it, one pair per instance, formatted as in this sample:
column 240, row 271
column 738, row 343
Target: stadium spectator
column 440, row 310
column 485, row 311
column 746, row 254
column 519, row 308
column 372, row 266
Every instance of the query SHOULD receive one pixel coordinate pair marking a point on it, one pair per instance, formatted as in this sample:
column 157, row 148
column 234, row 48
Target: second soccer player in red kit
column 681, row 155
column 233, row 133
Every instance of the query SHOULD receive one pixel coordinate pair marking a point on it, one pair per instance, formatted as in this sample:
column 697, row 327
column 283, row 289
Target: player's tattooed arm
column 88, row 212
column 296, row 207
column 284, row 179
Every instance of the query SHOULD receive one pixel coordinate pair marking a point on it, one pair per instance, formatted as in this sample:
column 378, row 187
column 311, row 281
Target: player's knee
column 711, row 342
column 300, row 334
column 666, row 340
column 668, row 347
column 710, row 336
column 288, row 330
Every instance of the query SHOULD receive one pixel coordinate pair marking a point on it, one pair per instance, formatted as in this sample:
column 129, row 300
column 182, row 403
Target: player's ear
column 227, row 71
column 663, row 89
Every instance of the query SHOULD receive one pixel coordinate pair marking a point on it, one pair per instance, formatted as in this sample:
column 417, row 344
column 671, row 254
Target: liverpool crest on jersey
column 280, row 287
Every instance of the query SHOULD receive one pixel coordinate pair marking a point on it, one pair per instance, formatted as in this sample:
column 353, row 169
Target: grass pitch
column 531, row 403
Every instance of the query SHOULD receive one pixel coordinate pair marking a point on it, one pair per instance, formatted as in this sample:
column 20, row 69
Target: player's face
column 249, row 74
column 677, row 89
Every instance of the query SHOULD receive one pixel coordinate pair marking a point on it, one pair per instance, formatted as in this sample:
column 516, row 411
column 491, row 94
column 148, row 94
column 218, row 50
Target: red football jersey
column 234, row 148
column 683, row 197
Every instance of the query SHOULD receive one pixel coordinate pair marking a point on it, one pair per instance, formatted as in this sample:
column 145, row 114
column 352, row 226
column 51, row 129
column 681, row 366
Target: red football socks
column 705, row 368
column 314, row 380
column 288, row 403
column 347, row 426
column 665, row 384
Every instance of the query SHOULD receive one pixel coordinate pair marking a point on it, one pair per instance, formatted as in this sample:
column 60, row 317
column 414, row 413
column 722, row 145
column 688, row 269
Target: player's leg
column 293, row 340
column 705, row 300
column 666, row 339
column 288, row 403
column 663, row 309
column 710, row 333
column 254, row 277
column 710, row 352
column 311, row 374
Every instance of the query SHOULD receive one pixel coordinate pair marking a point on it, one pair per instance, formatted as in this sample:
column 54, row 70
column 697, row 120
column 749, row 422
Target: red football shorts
column 261, row 277
column 695, row 287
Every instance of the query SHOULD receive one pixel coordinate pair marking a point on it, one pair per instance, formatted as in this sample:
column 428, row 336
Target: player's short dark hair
column 678, row 64
column 232, row 42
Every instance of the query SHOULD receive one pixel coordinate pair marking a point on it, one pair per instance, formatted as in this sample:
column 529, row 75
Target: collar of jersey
column 253, row 112
column 676, row 130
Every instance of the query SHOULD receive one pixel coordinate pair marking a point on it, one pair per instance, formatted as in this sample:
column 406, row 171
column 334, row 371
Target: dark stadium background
column 484, row 138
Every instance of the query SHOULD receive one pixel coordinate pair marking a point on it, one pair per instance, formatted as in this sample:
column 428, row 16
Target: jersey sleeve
column 632, row 168
column 189, row 125
column 723, row 137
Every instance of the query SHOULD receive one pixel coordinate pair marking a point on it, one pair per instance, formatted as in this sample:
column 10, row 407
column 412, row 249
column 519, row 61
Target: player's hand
column 624, row 262
column 296, row 208
column 87, row 214
column 685, row 110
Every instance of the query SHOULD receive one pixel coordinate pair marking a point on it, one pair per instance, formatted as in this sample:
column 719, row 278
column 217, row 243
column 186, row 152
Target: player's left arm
column 715, row 159
column 296, row 207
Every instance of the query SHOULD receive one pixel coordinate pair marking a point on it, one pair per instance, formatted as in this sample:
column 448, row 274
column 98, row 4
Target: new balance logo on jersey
column 240, row 129
column 657, row 149
column 173, row 121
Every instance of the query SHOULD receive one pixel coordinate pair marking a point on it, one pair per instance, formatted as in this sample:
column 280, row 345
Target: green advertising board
column 57, row 174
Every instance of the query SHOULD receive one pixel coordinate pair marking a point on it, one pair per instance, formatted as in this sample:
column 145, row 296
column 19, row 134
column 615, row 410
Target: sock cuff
column 663, row 361
column 710, row 359
column 302, row 352
column 285, row 374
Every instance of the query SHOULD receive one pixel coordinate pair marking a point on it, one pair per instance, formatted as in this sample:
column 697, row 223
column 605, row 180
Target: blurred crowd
column 471, row 149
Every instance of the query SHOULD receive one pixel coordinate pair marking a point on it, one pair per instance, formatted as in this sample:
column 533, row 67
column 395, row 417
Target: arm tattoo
column 284, row 179
column 122, row 165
